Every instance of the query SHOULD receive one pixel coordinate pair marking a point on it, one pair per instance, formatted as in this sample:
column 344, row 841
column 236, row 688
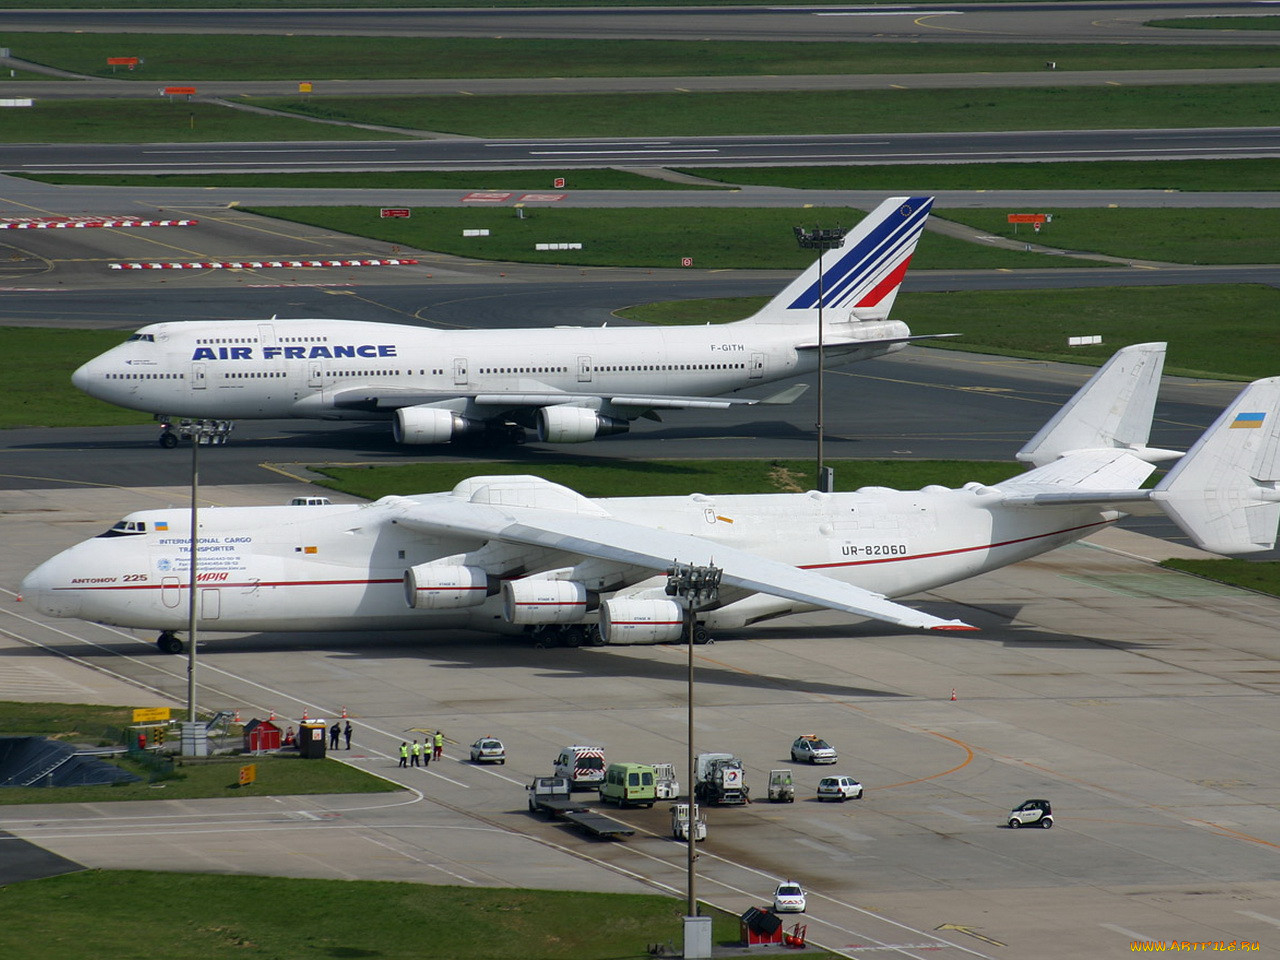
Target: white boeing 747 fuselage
column 571, row 384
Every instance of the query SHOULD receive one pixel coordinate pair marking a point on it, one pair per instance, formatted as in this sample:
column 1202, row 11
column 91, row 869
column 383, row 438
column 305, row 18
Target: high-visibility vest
column 417, row 749
column 404, row 750
column 439, row 739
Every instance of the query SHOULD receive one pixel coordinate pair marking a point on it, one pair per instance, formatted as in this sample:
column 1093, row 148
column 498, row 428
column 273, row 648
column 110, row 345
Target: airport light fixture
column 200, row 433
column 823, row 240
column 696, row 587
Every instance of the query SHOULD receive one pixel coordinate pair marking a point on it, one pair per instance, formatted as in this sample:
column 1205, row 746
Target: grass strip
column 191, row 916
column 39, row 362
column 1219, row 331
column 462, row 180
column 191, row 779
column 1169, row 175
column 596, row 477
column 1260, row 575
column 1259, row 22
column 793, row 113
column 1195, row 235
column 161, row 121
column 197, row 57
column 715, row 238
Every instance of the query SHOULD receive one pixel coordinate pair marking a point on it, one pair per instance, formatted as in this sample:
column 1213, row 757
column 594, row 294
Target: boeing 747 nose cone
column 83, row 376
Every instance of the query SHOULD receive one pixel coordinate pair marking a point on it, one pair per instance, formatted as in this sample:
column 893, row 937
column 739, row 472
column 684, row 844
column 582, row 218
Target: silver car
column 839, row 788
column 488, row 750
column 811, row 749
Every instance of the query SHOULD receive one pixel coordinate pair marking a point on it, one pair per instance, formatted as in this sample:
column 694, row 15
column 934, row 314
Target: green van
column 629, row 784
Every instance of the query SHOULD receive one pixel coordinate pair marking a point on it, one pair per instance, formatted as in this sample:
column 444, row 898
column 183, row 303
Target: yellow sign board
column 304, row 87
column 248, row 774
column 151, row 715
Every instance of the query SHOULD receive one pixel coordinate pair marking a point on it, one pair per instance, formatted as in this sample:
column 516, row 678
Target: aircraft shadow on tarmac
column 450, row 650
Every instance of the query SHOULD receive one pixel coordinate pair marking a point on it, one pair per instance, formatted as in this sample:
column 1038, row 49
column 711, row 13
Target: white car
column 789, row 898
column 839, row 788
column 811, row 749
column 488, row 750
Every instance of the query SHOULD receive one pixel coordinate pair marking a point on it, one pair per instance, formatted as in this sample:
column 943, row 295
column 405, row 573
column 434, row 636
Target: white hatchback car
column 839, row 788
column 811, row 749
column 789, row 898
column 488, row 750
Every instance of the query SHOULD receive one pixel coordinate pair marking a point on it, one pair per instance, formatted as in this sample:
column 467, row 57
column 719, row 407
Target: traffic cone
column 953, row 693
column 273, row 715
column 304, row 714
column 344, row 713
column 236, row 718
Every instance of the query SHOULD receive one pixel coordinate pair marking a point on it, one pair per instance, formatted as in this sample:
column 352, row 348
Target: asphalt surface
column 1096, row 22
column 654, row 151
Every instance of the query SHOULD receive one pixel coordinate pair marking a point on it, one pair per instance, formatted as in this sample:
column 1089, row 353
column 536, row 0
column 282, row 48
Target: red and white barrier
column 260, row 264
column 67, row 223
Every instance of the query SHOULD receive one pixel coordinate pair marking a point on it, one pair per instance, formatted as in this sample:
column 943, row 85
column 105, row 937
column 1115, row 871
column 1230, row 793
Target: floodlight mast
column 697, row 587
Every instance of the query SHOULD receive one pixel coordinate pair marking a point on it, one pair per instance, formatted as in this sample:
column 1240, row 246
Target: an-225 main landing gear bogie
column 580, row 635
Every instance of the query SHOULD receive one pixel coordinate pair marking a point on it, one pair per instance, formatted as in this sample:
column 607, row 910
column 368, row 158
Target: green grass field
column 592, row 477
column 160, row 121
column 461, row 180
column 169, row 57
column 1260, row 575
column 187, row 916
column 1032, row 323
column 1244, row 344
column 716, row 238
column 1179, row 175
column 40, row 363
column 793, row 113
column 1179, row 236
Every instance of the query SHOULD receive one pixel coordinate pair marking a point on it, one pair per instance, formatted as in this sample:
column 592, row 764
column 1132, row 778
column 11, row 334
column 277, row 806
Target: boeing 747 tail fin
column 859, row 279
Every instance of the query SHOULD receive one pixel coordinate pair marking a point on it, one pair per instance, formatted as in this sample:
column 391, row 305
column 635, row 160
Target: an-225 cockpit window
column 126, row 528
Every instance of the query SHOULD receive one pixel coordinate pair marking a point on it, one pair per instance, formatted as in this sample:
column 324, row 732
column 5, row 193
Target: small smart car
column 1031, row 813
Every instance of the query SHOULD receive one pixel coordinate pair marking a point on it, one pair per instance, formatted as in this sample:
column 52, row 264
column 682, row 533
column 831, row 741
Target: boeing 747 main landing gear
column 202, row 431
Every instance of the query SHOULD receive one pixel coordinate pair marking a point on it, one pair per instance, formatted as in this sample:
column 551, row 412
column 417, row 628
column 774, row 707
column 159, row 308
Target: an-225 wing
column 629, row 544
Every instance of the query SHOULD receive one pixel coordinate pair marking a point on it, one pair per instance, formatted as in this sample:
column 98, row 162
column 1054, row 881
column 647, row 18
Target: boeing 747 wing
column 512, row 554
column 571, row 384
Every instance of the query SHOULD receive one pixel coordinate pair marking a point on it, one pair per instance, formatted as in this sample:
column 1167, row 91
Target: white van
column 582, row 766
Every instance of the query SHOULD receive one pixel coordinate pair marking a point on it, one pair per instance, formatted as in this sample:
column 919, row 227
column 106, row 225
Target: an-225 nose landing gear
column 168, row 643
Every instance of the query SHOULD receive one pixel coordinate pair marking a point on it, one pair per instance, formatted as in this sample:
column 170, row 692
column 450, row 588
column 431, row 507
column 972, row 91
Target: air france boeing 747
column 571, row 384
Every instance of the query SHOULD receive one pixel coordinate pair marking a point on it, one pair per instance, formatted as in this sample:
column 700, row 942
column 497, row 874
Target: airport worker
column 416, row 754
column 439, row 744
column 404, row 754
column 346, row 732
column 334, row 733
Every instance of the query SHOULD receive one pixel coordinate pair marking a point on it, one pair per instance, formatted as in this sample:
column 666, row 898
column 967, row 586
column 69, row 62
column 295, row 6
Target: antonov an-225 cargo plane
column 572, row 384
column 508, row 554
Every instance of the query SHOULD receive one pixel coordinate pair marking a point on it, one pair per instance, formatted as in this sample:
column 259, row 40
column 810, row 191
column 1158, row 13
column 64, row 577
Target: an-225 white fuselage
column 571, row 384
column 510, row 553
